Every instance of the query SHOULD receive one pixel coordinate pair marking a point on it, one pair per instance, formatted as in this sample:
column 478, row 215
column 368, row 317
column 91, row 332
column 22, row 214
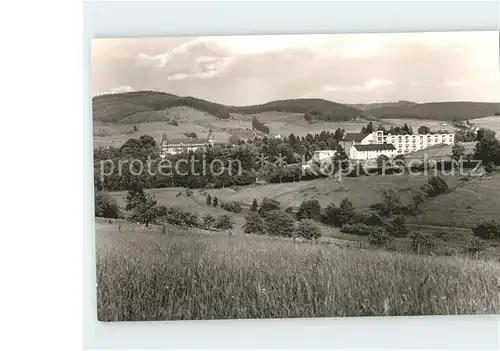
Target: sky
column 346, row 68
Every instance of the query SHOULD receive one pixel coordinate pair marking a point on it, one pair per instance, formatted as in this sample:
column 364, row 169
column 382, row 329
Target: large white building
column 402, row 143
column 175, row 146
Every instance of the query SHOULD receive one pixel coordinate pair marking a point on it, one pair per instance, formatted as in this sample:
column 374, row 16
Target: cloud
column 455, row 83
column 245, row 70
column 417, row 85
column 194, row 59
column 370, row 85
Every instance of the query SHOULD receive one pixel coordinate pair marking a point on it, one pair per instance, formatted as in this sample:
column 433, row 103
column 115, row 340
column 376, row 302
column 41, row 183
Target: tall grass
column 189, row 276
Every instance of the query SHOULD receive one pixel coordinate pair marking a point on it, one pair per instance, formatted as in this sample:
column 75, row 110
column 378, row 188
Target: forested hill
column 119, row 108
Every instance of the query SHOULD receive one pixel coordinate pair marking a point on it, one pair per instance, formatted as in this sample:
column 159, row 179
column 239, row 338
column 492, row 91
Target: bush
column 490, row 167
column 397, row 227
column 181, row 218
column 215, row 202
column 268, row 205
column 379, row 238
column 223, row 222
column 289, row 210
column 357, row 228
column 209, row 200
column 279, row 223
column 487, row 230
column 309, row 209
column 232, row 206
column 254, row 223
column 422, row 243
column 476, row 245
column 371, row 218
column 208, row 221
column 307, row 229
column 391, row 203
column 106, row 206
column 346, row 212
column 435, row 186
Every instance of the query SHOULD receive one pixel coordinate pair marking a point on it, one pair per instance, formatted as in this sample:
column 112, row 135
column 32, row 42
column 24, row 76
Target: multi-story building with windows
column 403, row 143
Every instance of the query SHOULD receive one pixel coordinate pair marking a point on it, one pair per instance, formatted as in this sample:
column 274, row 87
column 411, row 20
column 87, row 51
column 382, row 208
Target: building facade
column 403, row 143
column 176, row 146
column 365, row 152
column 410, row 143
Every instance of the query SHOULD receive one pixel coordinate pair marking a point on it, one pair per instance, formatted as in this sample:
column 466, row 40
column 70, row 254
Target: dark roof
column 354, row 136
column 375, row 147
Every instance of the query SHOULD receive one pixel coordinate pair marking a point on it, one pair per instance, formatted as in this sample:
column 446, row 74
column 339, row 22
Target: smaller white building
column 366, row 152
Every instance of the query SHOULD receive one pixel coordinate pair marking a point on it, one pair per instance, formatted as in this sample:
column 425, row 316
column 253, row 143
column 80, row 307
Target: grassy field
column 491, row 122
column 414, row 123
column 192, row 120
column 362, row 191
column 187, row 275
column 466, row 206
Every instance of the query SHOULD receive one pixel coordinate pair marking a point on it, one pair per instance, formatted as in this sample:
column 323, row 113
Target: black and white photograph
column 296, row 176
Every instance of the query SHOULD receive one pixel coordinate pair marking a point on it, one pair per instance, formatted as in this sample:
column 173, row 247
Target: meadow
column 474, row 202
column 181, row 275
column 491, row 122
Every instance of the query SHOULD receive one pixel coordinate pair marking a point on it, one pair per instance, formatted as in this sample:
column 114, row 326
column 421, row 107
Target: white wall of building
column 355, row 154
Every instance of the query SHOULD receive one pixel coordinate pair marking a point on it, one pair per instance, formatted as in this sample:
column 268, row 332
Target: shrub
column 223, row 222
column 422, row 243
column 181, row 218
column 255, row 206
column 279, row 223
column 476, row 245
column 487, row 230
column 268, row 205
column 191, row 135
column 209, row 200
column 372, row 218
column 232, row 206
column 391, row 203
column 105, row 206
column 346, row 212
column 254, row 223
column 435, row 186
column 289, row 210
column 208, row 221
column 490, row 167
column 307, row 229
column 357, row 228
column 329, row 215
column 379, row 238
column 215, row 202
column 397, row 227
column 309, row 209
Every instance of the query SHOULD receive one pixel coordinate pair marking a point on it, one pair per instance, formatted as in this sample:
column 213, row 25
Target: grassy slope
column 468, row 205
column 444, row 111
column 184, row 275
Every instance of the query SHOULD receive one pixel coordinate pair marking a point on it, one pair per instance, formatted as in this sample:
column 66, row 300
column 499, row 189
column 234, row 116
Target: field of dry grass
column 185, row 275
